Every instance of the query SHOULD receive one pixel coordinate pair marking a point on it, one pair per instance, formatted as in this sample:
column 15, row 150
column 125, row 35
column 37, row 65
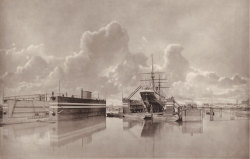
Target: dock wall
column 20, row 110
column 192, row 115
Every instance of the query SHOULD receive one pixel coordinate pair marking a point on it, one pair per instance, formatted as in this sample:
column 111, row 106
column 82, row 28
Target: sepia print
column 124, row 79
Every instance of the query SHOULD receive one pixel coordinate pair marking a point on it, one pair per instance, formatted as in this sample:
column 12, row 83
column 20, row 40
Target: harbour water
column 223, row 135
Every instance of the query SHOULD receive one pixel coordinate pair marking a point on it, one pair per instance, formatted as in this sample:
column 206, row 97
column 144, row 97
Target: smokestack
column 81, row 93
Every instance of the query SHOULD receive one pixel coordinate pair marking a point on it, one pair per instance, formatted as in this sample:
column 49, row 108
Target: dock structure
column 26, row 108
column 32, row 97
column 64, row 108
column 41, row 107
column 192, row 115
column 169, row 105
column 132, row 105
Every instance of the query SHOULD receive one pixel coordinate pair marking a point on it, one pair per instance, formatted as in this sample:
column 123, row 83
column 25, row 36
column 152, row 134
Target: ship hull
column 151, row 102
column 65, row 108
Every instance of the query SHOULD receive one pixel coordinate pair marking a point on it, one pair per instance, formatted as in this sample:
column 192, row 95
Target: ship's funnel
column 86, row 94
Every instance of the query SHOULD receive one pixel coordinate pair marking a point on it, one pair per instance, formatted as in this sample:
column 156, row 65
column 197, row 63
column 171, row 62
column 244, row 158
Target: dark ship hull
column 153, row 105
column 64, row 108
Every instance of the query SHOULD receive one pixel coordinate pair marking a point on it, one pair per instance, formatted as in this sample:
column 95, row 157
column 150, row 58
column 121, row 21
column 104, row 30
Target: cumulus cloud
column 34, row 69
column 99, row 50
column 236, row 93
column 111, row 40
column 176, row 65
column 128, row 72
column 233, row 81
column 19, row 65
column 202, row 84
column 25, row 69
column 187, row 82
column 187, row 90
column 105, row 64
column 211, row 78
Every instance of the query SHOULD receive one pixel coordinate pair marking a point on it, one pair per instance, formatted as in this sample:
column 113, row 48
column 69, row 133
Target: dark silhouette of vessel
column 151, row 93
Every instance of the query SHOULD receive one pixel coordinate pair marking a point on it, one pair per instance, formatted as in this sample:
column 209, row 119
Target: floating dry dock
column 41, row 107
column 26, row 108
column 63, row 108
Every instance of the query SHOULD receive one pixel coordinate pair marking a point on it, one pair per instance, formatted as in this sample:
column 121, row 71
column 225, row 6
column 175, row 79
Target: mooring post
column 211, row 114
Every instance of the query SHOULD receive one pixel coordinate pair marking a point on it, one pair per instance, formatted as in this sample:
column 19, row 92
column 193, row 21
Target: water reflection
column 150, row 128
column 130, row 123
column 116, row 137
column 65, row 132
column 194, row 127
column 18, row 131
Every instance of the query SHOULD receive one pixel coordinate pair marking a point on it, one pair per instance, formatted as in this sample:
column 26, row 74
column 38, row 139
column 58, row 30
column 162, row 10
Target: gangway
column 133, row 105
column 135, row 91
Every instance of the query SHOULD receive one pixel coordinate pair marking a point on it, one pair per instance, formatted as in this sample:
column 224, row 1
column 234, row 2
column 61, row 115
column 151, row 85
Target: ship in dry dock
column 152, row 98
column 154, row 102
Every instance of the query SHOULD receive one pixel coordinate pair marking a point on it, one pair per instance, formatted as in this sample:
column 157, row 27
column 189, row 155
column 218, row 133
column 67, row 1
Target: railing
column 43, row 97
column 40, row 97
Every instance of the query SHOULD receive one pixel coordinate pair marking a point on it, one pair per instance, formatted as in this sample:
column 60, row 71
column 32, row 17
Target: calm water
column 224, row 135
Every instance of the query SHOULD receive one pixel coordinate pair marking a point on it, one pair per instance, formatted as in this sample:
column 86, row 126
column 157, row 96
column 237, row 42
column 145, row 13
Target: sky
column 103, row 45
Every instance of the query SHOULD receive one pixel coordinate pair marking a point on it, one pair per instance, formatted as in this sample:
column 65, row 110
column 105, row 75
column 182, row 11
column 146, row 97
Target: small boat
column 112, row 114
column 209, row 113
column 148, row 116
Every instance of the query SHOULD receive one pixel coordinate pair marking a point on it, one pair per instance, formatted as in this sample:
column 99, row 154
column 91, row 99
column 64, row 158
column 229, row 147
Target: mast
column 152, row 73
column 122, row 93
column 59, row 87
column 3, row 96
column 159, row 87
column 155, row 82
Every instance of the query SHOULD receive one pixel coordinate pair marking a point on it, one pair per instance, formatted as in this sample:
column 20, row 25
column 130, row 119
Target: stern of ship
column 149, row 99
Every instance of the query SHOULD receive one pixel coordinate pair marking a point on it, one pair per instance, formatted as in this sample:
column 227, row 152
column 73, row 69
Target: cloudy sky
column 103, row 45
